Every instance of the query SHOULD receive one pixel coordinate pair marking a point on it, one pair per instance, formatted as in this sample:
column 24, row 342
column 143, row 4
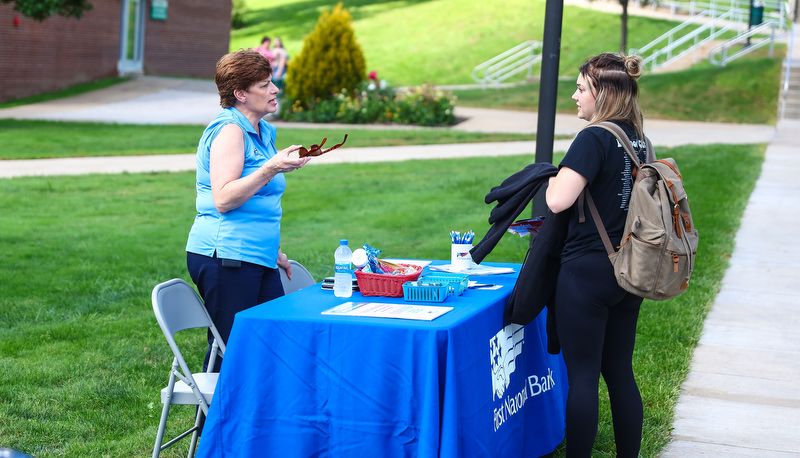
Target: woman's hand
column 282, row 163
column 229, row 188
column 283, row 262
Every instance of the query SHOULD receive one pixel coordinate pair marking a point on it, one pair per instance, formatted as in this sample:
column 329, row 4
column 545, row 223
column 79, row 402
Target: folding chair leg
column 162, row 425
column 197, row 428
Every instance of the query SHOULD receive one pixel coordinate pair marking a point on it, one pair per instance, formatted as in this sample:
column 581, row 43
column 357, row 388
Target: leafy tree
column 331, row 60
column 42, row 9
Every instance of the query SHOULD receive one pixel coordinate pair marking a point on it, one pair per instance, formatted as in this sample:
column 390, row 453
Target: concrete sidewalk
column 742, row 396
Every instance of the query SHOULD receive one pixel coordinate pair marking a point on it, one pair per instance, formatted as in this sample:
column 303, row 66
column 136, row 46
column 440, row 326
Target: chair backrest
column 178, row 307
column 301, row 278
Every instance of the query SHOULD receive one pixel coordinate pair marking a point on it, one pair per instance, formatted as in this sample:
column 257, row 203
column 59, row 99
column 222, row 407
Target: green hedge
column 423, row 105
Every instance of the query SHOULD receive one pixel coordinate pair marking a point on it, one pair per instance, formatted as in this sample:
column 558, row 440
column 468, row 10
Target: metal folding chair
column 301, row 278
column 178, row 307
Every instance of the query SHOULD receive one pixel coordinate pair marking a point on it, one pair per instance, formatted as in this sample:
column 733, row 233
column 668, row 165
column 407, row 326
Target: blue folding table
column 297, row 383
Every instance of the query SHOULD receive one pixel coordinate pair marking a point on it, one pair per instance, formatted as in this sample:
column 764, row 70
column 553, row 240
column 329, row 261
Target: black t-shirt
column 599, row 157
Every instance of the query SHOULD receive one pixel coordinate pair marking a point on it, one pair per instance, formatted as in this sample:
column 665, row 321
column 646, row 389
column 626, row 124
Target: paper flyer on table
column 378, row 310
column 475, row 269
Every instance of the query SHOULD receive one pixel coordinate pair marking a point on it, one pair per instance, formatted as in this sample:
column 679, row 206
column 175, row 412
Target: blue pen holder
column 425, row 291
column 457, row 283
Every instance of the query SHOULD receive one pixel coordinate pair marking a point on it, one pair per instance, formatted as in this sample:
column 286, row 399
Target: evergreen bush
column 331, row 60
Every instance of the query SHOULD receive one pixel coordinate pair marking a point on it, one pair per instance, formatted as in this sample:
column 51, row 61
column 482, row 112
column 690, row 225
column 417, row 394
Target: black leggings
column 596, row 322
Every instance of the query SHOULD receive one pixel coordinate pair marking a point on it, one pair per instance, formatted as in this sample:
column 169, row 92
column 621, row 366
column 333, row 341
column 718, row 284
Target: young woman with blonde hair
column 595, row 318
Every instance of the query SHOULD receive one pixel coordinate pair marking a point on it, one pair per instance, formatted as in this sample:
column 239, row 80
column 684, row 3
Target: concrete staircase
column 789, row 100
column 700, row 53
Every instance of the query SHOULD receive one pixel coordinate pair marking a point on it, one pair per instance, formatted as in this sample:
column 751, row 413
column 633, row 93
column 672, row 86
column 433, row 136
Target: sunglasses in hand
column 316, row 150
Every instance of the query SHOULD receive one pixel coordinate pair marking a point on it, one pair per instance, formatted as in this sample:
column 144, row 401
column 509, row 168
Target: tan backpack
column 656, row 254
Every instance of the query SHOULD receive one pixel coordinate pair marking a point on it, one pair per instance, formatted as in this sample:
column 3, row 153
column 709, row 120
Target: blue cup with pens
column 460, row 244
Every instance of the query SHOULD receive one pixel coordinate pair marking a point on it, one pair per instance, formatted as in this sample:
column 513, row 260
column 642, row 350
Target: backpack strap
column 598, row 222
column 587, row 196
column 626, row 142
column 651, row 152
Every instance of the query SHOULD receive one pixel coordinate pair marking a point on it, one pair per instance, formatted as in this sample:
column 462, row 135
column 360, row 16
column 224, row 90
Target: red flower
column 373, row 75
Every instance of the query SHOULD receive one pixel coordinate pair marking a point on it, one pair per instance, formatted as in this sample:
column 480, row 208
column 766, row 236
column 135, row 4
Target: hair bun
column 633, row 66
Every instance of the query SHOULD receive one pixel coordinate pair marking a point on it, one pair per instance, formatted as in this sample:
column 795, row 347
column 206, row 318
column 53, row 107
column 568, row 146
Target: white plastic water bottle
column 343, row 276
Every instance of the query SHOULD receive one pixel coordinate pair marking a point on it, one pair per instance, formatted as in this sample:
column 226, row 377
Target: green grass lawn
column 82, row 359
column 745, row 91
column 469, row 32
column 396, row 36
column 24, row 139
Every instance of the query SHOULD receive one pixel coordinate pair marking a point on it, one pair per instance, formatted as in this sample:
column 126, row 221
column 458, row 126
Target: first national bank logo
column 504, row 347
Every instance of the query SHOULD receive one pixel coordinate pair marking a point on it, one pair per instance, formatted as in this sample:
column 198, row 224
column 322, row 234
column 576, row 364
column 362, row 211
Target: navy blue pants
column 596, row 322
column 228, row 288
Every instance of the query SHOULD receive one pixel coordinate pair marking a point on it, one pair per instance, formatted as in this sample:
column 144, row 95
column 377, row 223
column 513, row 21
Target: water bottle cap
column 343, row 242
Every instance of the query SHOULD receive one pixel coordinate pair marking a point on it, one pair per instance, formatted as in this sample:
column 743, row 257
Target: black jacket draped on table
column 535, row 287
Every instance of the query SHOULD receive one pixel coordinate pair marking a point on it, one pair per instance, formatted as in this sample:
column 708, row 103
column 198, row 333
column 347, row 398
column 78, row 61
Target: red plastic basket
column 384, row 284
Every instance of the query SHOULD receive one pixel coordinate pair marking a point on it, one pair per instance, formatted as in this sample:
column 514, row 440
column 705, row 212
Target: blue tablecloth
column 295, row 383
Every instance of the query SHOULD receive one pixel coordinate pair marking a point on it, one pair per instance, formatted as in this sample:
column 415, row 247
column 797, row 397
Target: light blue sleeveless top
column 251, row 232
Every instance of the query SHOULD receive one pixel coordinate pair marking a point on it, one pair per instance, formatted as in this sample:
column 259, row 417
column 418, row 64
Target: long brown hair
column 613, row 80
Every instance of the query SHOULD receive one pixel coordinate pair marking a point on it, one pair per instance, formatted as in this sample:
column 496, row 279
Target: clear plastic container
column 343, row 273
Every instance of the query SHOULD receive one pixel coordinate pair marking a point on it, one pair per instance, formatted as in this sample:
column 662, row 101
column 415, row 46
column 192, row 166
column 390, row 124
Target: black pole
column 548, row 91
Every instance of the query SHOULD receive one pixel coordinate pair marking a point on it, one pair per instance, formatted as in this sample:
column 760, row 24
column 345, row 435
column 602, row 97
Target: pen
column 459, row 238
column 482, row 285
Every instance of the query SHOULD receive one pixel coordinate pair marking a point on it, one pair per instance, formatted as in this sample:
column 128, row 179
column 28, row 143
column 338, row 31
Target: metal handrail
column 734, row 17
column 747, row 49
column 692, row 7
column 512, row 62
column 772, row 24
column 668, row 35
column 697, row 43
column 788, row 64
column 673, row 44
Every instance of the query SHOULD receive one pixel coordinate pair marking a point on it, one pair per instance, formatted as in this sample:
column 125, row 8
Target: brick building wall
column 57, row 53
column 191, row 41
column 38, row 57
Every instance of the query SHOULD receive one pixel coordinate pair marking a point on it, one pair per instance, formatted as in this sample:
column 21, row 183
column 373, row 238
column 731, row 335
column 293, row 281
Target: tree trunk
column 623, row 40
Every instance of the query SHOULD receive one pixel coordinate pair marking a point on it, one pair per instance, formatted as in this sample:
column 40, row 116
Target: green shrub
column 421, row 105
column 331, row 60
column 426, row 106
column 237, row 14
